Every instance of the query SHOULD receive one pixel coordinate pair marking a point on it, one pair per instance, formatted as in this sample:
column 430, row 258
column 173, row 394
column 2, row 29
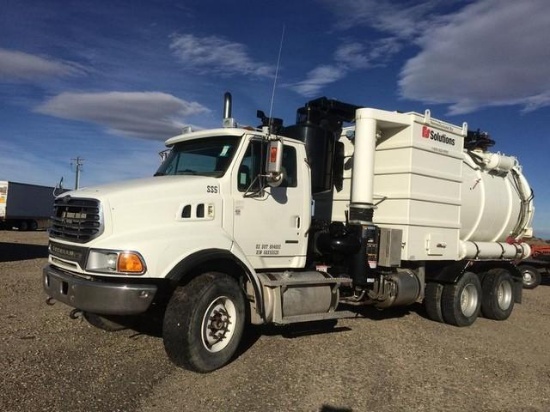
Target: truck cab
column 209, row 197
column 247, row 203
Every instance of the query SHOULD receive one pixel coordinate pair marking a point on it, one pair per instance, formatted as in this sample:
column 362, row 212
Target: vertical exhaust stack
column 228, row 121
column 227, row 105
column 361, row 207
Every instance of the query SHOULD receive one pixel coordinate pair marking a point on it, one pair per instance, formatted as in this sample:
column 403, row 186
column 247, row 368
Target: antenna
column 276, row 74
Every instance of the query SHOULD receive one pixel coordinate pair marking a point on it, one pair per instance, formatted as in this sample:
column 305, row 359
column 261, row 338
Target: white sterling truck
column 279, row 224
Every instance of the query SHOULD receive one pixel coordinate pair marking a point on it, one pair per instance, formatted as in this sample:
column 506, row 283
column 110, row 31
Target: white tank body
column 449, row 203
column 496, row 203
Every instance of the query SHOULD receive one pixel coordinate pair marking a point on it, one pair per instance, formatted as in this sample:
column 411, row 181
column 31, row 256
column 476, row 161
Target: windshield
column 204, row 157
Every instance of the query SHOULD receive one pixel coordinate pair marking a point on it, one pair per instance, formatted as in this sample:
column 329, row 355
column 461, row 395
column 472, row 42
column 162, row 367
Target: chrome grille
column 76, row 220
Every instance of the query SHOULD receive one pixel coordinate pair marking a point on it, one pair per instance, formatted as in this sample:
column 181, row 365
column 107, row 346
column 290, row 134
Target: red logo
column 425, row 132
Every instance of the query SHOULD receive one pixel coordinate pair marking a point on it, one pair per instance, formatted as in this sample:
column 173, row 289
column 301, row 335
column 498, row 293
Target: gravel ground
column 395, row 360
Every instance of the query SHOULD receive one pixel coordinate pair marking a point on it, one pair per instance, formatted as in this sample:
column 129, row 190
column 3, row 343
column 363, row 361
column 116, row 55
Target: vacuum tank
column 451, row 197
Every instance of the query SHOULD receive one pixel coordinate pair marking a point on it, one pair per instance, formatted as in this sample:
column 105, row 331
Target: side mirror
column 274, row 163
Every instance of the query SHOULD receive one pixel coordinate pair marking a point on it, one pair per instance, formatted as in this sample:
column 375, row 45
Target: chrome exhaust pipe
column 227, row 105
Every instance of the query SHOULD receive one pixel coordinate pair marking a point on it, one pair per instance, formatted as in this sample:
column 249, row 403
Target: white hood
column 157, row 200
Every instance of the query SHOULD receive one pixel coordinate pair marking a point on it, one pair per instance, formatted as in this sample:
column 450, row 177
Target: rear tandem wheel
column 461, row 301
column 498, row 294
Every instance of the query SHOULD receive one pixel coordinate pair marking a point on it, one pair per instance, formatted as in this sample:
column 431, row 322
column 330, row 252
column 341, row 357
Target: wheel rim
column 468, row 300
column 504, row 295
column 218, row 324
column 528, row 278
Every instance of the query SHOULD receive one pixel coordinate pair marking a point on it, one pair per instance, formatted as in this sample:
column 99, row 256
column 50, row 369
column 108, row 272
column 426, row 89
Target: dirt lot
column 395, row 360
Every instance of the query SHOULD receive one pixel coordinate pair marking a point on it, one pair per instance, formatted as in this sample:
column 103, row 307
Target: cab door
column 270, row 223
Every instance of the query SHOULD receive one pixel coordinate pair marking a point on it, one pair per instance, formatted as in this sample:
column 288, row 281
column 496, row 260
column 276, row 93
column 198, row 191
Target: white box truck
column 25, row 206
column 350, row 206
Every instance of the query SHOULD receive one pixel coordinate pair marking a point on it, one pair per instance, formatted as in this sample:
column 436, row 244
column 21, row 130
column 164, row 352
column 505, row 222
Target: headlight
column 115, row 261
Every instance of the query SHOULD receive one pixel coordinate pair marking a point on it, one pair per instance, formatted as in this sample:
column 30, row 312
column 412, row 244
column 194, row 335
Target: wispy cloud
column 400, row 19
column 396, row 22
column 491, row 53
column 217, row 55
column 20, row 66
column 316, row 79
column 151, row 115
column 358, row 55
column 353, row 55
column 348, row 57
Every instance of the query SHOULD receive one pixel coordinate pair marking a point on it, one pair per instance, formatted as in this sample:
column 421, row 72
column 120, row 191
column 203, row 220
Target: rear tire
column 531, row 276
column 432, row 301
column 498, row 294
column 204, row 322
column 461, row 302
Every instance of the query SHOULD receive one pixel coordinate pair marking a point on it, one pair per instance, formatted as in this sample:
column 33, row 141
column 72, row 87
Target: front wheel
column 461, row 302
column 204, row 322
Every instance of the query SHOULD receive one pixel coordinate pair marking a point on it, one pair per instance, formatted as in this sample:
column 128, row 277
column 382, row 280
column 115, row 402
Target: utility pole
column 79, row 165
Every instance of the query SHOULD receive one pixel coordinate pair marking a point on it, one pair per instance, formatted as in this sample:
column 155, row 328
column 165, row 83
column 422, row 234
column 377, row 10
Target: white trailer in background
column 25, row 206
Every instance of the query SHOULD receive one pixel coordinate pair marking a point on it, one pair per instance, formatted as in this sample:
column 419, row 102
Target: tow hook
column 50, row 301
column 75, row 313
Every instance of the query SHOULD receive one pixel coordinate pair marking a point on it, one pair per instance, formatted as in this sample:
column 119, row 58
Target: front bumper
column 103, row 297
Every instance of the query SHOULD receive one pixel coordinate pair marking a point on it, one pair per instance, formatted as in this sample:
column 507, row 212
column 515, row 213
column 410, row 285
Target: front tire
column 204, row 322
column 461, row 302
column 531, row 276
column 498, row 295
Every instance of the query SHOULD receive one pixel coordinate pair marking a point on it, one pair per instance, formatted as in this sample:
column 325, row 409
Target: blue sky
column 109, row 81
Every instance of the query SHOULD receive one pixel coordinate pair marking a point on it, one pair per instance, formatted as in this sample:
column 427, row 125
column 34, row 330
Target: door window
column 253, row 162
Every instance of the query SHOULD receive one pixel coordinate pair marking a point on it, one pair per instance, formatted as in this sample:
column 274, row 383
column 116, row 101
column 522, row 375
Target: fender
column 450, row 272
column 446, row 272
column 211, row 258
